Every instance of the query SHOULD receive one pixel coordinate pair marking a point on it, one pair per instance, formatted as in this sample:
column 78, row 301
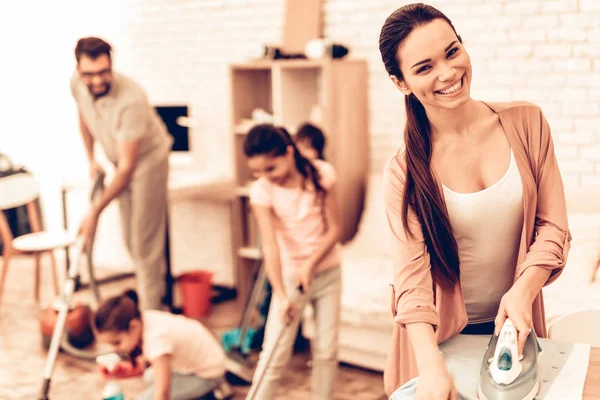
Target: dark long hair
column 266, row 139
column 115, row 313
column 422, row 192
column 314, row 136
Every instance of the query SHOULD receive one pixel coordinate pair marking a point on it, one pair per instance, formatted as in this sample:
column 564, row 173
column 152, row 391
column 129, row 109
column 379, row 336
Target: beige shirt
column 123, row 114
column 487, row 225
column 544, row 240
column 193, row 349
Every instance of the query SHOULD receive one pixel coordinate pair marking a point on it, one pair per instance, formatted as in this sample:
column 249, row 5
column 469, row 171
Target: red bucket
column 196, row 293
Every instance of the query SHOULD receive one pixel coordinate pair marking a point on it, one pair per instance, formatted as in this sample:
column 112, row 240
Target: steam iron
column 506, row 376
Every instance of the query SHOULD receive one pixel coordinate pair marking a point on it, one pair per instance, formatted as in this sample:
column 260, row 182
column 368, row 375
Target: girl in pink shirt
column 293, row 201
column 186, row 361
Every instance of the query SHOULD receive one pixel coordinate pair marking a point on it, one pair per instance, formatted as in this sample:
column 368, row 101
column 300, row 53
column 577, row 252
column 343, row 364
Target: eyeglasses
column 104, row 73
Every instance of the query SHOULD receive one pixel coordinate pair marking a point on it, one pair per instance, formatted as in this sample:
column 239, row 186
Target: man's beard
column 99, row 94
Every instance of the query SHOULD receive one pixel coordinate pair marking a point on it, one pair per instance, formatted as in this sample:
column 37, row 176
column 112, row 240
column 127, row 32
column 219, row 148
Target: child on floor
column 310, row 142
column 293, row 200
column 185, row 360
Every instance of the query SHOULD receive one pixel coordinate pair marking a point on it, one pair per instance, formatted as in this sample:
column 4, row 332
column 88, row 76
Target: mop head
column 506, row 376
column 231, row 340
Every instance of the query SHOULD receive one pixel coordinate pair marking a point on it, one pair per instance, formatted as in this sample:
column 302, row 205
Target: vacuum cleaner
column 64, row 304
column 506, row 376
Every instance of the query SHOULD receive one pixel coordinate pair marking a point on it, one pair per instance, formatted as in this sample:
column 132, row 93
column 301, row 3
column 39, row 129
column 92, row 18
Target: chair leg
column 5, row 260
column 36, row 289
column 54, row 273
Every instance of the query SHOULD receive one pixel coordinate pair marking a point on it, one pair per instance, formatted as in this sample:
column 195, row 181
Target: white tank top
column 487, row 226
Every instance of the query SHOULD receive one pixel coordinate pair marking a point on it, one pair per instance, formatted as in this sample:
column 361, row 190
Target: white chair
column 18, row 190
column 577, row 327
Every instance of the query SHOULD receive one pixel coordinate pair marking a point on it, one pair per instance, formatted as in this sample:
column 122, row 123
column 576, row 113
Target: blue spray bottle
column 112, row 390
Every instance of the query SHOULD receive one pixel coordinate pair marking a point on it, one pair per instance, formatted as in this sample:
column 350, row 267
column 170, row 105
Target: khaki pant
column 325, row 296
column 143, row 207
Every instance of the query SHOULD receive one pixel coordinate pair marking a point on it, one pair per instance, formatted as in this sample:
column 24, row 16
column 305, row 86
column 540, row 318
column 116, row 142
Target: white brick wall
column 589, row 5
column 57, row 152
column 546, row 51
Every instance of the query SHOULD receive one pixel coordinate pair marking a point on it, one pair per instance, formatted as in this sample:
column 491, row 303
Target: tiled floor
column 22, row 357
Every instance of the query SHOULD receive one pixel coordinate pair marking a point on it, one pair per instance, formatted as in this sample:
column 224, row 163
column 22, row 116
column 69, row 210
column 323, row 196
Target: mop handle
column 79, row 244
column 78, row 248
column 61, row 320
column 253, row 390
column 95, row 194
column 68, row 290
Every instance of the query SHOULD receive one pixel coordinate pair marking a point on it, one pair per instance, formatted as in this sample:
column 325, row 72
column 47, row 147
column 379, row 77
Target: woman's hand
column 516, row 304
column 435, row 383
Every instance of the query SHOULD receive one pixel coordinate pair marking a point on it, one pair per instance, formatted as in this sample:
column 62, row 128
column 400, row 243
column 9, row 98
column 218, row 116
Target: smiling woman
column 474, row 201
column 450, row 60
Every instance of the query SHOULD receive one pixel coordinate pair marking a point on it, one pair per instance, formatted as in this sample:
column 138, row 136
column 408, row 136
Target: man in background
column 114, row 111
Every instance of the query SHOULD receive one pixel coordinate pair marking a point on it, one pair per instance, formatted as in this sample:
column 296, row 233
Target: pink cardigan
column 545, row 240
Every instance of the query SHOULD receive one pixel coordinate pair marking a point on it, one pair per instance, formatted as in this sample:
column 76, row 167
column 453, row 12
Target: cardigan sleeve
column 412, row 294
column 552, row 238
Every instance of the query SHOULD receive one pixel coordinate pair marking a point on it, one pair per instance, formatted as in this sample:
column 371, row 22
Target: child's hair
column 285, row 132
column 266, row 139
column 115, row 313
column 314, row 136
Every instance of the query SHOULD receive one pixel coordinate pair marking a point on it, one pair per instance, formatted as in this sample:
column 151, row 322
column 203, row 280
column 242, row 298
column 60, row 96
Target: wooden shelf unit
column 290, row 90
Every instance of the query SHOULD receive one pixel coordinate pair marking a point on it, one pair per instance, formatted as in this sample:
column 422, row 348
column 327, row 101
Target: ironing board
column 563, row 367
column 566, row 370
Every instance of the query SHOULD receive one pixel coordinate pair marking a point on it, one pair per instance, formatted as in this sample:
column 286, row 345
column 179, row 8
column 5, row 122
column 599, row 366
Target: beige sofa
column 366, row 276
